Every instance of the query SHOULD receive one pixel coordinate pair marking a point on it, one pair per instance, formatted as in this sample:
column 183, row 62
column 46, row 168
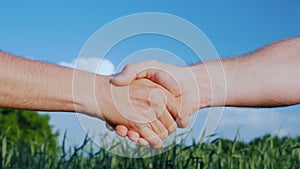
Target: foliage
column 32, row 147
column 266, row 152
column 18, row 128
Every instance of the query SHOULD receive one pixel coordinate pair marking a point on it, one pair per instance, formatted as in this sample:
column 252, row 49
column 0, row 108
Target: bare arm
column 34, row 85
column 265, row 78
column 27, row 84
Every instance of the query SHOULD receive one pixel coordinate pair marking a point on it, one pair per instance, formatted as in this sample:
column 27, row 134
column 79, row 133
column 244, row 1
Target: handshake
column 162, row 97
column 148, row 100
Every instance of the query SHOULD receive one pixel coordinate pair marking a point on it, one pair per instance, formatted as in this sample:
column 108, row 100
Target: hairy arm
column 268, row 77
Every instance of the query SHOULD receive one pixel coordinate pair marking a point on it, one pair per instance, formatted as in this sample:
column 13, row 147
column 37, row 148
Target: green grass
column 261, row 153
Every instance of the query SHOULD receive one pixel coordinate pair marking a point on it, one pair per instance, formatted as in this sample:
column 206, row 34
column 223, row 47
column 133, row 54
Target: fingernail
column 133, row 134
column 123, row 130
column 143, row 142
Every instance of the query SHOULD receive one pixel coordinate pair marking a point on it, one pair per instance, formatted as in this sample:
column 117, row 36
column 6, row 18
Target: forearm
column 265, row 78
column 34, row 85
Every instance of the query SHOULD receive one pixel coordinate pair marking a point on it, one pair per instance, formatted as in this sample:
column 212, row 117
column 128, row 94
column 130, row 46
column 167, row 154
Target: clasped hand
column 177, row 99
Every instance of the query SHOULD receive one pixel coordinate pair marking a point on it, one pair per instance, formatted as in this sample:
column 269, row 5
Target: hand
column 142, row 107
column 180, row 81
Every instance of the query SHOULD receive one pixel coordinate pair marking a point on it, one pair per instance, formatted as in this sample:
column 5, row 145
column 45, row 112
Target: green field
column 27, row 142
column 265, row 152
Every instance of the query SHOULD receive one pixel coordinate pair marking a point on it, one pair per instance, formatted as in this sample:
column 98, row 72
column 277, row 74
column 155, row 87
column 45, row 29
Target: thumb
column 129, row 73
column 123, row 78
column 156, row 72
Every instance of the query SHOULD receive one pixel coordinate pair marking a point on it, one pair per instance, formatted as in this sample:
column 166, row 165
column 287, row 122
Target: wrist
column 203, row 85
column 90, row 92
column 210, row 78
column 102, row 95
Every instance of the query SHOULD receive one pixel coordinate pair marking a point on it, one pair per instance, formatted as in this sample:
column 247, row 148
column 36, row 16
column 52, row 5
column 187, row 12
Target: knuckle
column 137, row 126
column 172, row 128
column 164, row 134
column 182, row 122
column 157, row 100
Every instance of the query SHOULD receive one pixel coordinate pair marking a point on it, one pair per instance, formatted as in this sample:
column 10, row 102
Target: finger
column 157, row 72
column 143, row 142
column 167, row 120
column 158, row 104
column 128, row 74
column 175, row 108
column 145, row 69
column 151, row 137
column 133, row 136
column 166, row 78
column 109, row 127
column 183, row 121
column 121, row 130
column 159, row 129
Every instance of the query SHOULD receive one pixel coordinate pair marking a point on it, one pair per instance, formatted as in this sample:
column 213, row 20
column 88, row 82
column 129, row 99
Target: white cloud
column 91, row 64
column 255, row 122
column 250, row 117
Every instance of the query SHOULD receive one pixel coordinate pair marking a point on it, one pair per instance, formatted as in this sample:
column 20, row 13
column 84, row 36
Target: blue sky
column 55, row 31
